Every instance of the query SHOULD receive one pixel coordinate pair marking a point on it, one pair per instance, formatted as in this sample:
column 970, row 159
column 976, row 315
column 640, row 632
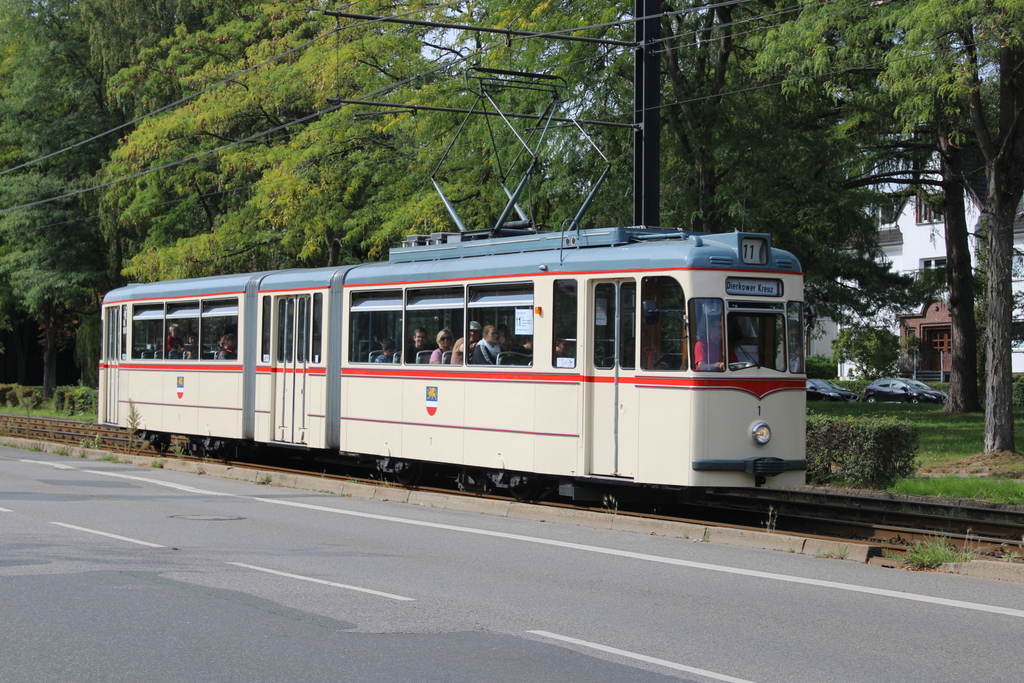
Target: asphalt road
column 118, row 573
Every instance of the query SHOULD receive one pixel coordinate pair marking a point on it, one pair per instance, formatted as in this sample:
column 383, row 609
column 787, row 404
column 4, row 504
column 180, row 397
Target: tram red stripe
column 459, row 427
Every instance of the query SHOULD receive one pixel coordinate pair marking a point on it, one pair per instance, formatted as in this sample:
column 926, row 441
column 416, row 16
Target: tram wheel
column 525, row 489
column 408, row 473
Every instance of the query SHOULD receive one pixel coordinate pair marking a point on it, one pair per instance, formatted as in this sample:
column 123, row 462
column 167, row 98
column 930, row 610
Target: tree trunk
column 963, row 385
column 1004, row 166
column 21, row 361
column 999, row 354
column 50, row 351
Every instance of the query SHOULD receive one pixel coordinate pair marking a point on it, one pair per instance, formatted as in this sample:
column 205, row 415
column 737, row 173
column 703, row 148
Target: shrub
column 29, row 398
column 863, row 452
column 8, row 395
column 76, row 400
column 1017, row 391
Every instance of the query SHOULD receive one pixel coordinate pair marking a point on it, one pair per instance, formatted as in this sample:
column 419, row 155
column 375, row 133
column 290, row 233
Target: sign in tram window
column 506, row 326
column 148, row 331
column 663, row 339
column 375, row 324
column 565, row 321
column 434, row 319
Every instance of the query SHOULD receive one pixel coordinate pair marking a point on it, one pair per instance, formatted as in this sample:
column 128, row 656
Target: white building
column 912, row 239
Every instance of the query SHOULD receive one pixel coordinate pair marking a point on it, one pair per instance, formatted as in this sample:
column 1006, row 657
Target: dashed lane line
column 108, row 535
column 322, row 581
column 640, row 657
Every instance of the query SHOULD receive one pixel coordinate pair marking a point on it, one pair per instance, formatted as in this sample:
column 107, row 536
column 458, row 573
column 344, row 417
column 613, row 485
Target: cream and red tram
column 607, row 367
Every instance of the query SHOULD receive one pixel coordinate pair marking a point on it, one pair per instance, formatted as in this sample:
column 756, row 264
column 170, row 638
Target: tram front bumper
column 763, row 466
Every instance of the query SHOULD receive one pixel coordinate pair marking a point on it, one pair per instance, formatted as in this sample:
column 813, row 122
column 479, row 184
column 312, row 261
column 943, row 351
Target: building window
column 933, row 263
column 927, row 214
column 941, row 340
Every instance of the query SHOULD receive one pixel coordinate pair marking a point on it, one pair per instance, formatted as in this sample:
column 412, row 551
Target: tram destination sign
column 746, row 286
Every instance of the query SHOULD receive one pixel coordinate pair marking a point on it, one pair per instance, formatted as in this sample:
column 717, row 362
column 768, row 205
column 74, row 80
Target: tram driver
column 709, row 352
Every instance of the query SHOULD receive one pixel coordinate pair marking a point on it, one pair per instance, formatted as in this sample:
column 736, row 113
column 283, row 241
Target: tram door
column 611, row 392
column 291, row 358
column 116, row 330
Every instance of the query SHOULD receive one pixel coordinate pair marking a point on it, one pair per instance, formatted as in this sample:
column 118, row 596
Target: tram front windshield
column 753, row 336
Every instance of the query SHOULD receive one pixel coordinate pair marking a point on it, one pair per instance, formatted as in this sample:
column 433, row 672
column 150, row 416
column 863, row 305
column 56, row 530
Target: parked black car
column 902, row 391
column 823, row 390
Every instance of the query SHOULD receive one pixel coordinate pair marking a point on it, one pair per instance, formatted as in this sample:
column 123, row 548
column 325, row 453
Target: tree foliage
column 873, row 351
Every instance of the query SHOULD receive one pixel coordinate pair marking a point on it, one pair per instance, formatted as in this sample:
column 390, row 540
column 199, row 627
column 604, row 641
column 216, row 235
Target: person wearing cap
column 388, row 352
column 460, row 350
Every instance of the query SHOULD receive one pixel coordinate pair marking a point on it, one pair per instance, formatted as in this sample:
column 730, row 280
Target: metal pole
column 647, row 116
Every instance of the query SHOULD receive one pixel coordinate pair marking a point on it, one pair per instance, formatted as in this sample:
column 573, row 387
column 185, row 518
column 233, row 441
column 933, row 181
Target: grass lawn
column 951, row 445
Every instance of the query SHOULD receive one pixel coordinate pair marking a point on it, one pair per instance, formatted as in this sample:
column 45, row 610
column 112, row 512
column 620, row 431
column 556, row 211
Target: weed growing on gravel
column 933, row 553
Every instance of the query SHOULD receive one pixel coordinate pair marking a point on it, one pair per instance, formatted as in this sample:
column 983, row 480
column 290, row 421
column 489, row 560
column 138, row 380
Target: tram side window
column 795, row 332
column 111, row 349
column 757, row 339
column 375, row 318
column 219, row 339
column 662, row 335
column 433, row 321
column 318, row 327
column 627, row 325
column 607, row 300
column 182, row 331
column 706, row 336
column 148, row 331
column 604, row 325
column 267, row 317
column 565, row 323
column 505, row 314
column 124, row 331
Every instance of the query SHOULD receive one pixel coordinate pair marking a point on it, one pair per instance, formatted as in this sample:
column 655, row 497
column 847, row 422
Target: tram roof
column 172, row 289
column 592, row 251
column 600, row 250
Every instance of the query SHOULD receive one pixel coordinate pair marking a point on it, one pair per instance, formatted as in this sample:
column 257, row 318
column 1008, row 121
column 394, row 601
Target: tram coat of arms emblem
column 181, row 386
column 431, row 400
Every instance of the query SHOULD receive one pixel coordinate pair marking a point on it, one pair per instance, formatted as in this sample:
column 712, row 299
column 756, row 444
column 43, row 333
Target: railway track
column 890, row 524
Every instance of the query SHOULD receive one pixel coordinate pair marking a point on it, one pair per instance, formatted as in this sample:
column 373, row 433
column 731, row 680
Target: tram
column 623, row 357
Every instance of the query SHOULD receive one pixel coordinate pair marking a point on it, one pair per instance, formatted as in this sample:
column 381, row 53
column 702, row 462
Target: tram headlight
column 762, row 433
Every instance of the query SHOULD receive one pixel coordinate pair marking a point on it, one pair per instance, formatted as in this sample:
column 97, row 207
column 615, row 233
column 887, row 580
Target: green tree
column 50, row 97
column 874, row 352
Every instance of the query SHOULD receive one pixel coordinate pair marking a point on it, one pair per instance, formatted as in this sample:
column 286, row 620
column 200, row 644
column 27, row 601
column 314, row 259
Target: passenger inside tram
column 443, row 352
column 465, row 348
column 488, row 348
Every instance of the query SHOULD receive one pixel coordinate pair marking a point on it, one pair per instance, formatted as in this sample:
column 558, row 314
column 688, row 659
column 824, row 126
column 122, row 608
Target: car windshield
column 918, row 385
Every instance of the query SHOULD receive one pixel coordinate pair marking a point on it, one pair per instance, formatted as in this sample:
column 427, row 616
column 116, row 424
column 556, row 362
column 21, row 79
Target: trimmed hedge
column 74, row 400
column 860, row 452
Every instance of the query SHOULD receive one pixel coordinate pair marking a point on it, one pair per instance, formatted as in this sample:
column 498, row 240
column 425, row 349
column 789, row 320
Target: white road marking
column 170, row 485
column 58, row 465
column 5, row 510
column 642, row 658
column 326, row 583
column 1007, row 611
column 104, row 533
